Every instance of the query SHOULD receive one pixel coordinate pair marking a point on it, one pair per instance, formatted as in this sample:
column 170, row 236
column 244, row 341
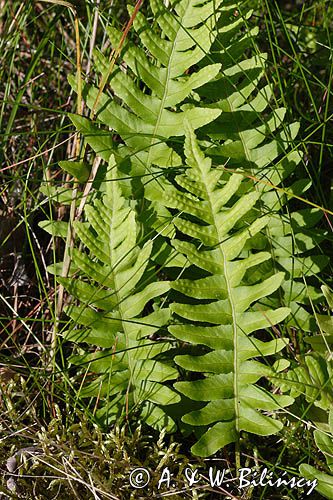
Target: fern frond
column 145, row 119
column 224, row 323
column 115, row 311
column 253, row 133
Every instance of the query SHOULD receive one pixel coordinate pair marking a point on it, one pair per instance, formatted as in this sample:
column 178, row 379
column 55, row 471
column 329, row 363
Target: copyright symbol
column 139, row 478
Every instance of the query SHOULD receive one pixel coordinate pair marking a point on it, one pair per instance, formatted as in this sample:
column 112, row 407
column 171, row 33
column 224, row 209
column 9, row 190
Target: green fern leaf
column 228, row 388
column 187, row 31
column 113, row 312
column 252, row 133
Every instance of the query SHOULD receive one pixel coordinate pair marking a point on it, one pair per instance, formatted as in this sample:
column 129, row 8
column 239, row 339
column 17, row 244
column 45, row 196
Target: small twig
column 70, row 233
column 39, row 154
column 88, row 186
column 114, row 56
column 280, row 189
column 93, row 38
column 16, row 313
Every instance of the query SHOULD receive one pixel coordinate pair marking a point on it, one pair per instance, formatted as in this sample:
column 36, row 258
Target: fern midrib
column 165, row 95
column 232, row 305
column 119, row 301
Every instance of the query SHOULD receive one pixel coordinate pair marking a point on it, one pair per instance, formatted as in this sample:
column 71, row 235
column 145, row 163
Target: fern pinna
column 219, row 316
column 116, row 312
